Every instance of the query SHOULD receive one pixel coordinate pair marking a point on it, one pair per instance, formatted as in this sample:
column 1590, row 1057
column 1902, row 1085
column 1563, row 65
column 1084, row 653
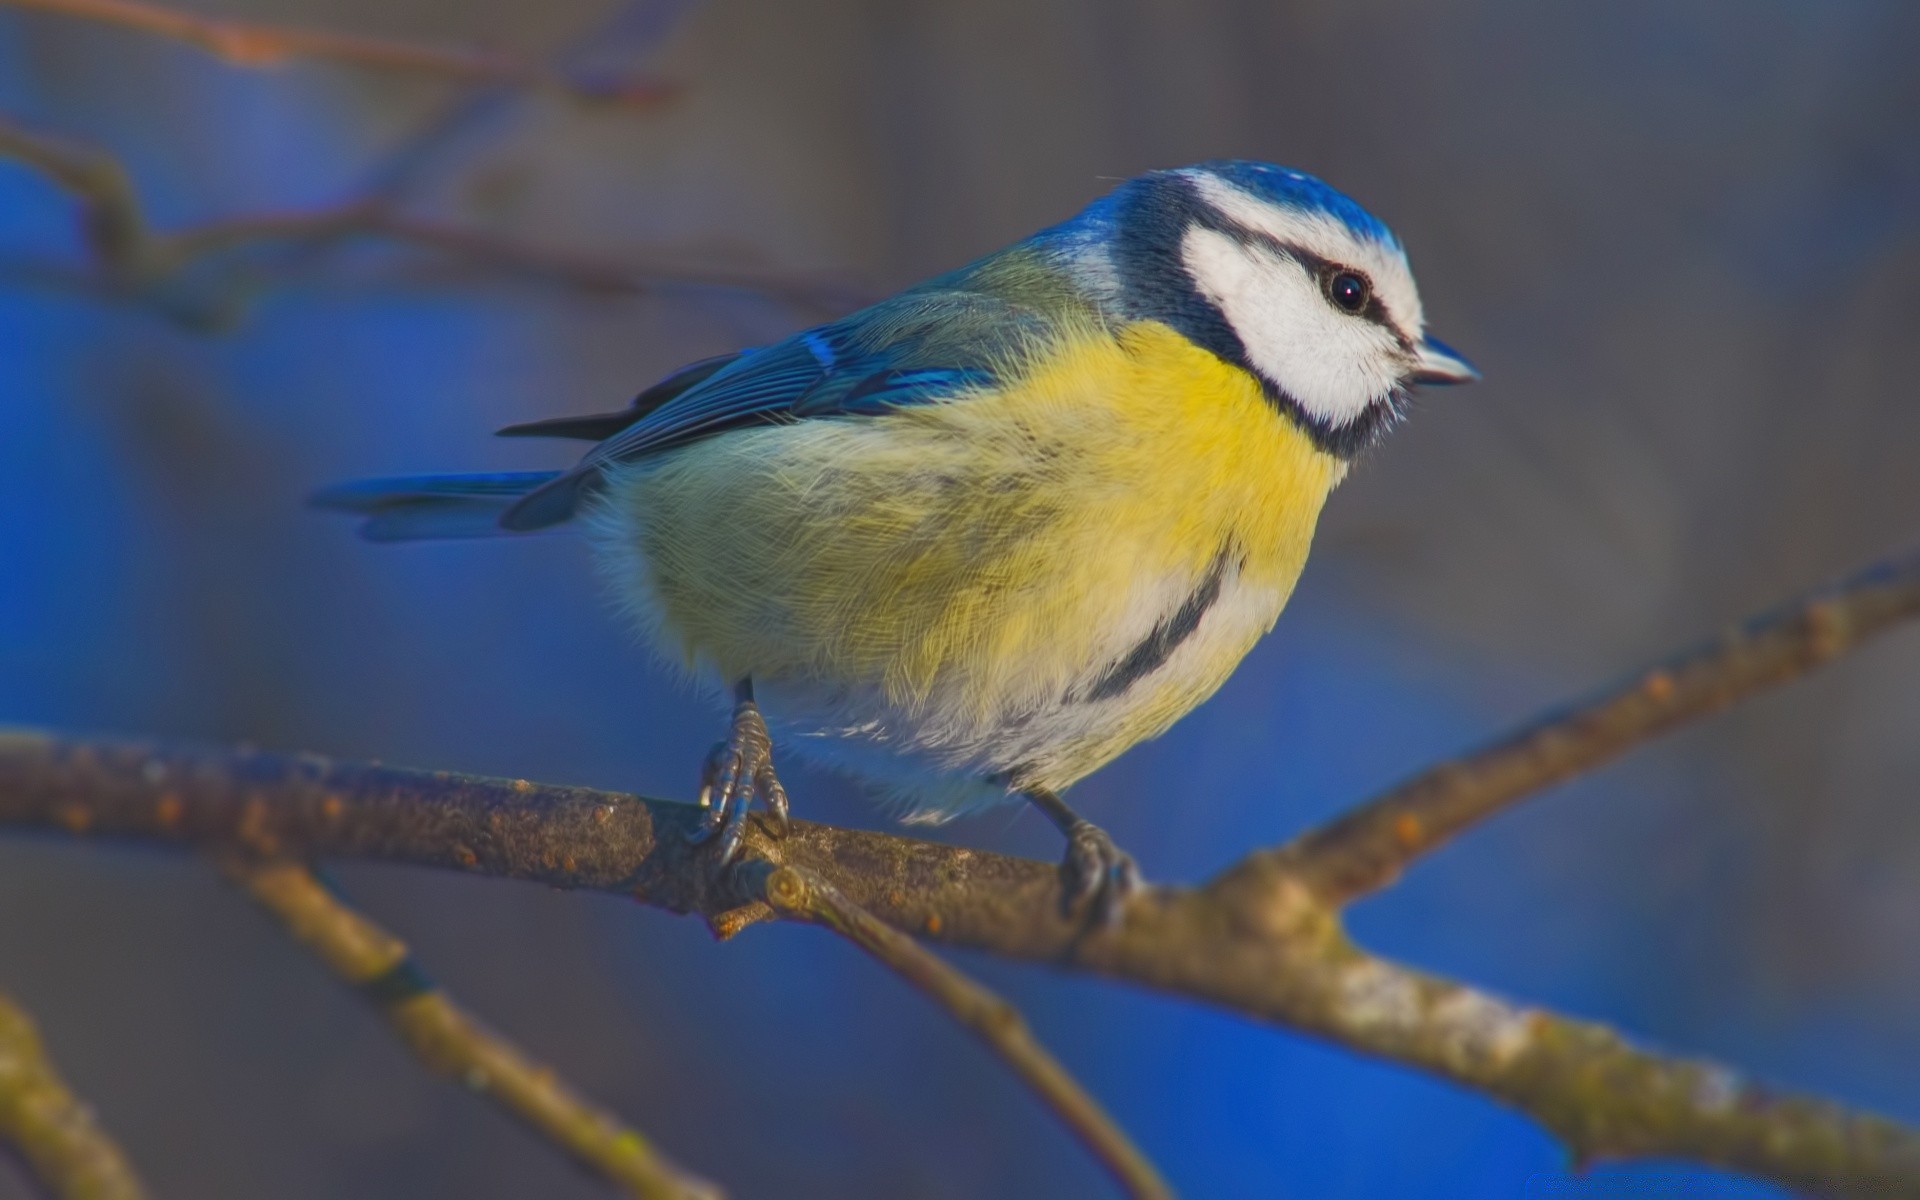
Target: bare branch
column 111, row 221
column 799, row 894
column 1367, row 848
column 51, row 1131
column 132, row 258
column 260, row 47
column 1279, row 955
column 629, row 31
column 451, row 1042
column 586, row 272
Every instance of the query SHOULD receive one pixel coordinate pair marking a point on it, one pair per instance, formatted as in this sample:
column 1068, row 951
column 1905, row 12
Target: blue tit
column 973, row 541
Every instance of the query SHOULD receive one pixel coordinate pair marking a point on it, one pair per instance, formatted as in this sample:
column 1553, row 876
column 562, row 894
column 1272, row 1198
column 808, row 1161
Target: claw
column 732, row 775
column 778, row 806
column 713, row 800
column 735, row 829
column 1095, row 872
column 1098, row 873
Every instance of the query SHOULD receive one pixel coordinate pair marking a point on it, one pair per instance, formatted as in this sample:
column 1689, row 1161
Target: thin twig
column 586, row 272
column 802, row 895
column 110, row 218
column 131, row 258
column 1368, row 847
column 258, row 46
column 634, row 29
column 51, row 1131
column 1282, row 957
column 453, row 1043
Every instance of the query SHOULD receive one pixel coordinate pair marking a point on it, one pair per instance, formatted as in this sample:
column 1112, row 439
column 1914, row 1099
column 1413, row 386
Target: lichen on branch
column 51, row 1131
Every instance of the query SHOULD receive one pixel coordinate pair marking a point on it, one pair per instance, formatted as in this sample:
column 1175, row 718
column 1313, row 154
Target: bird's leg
column 1094, row 869
column 736, row 771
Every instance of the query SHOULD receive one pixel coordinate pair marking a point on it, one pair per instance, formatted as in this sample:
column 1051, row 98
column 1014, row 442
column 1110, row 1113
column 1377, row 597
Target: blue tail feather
column 415, row 507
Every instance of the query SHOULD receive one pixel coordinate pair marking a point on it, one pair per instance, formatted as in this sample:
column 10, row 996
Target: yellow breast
column 967, row 562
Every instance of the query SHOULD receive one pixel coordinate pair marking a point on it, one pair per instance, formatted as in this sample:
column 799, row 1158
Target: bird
column 973, row 541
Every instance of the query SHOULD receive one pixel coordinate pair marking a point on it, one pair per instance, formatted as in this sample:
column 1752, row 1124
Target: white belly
column 938, row 758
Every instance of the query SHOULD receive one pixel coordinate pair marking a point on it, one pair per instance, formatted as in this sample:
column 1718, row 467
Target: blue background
column 1681, row 239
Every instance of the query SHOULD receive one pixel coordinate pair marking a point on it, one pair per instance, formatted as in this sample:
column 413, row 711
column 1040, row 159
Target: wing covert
column 919, row 347
column 915, row 349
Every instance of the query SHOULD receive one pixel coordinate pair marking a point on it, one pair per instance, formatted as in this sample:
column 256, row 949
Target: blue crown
column 1298, row 190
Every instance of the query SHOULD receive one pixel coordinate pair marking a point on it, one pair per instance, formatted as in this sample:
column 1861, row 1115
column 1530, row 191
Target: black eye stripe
column 1322, row 268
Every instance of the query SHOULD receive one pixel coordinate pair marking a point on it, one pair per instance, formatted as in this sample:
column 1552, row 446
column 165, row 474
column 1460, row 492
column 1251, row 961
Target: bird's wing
column 598, row 427
column 916, row 348
column 920, row 347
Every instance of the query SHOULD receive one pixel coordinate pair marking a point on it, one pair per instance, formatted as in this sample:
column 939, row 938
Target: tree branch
column 799, row 894
column 1367, row 848
column 260, row 47
column 48, row 1127
column 110, row 219
column 630, row 31
column 451, row 1042
column 586, row 272
column 1279, row 955
column 133, row 259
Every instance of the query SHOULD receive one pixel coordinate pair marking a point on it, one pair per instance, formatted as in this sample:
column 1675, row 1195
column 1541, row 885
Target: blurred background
column 1681, row 238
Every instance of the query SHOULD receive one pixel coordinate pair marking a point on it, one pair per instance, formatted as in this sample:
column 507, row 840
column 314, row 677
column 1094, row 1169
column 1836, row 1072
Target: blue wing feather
column 601, row 426
column 432, row 506
column 922, row 347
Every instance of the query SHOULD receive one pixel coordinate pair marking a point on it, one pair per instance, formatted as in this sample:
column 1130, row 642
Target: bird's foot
column 1095, row 873
column 734, row 773
column 1098, row 873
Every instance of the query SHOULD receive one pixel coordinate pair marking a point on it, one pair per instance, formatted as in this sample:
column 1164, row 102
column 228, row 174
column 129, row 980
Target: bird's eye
column 1348, row 290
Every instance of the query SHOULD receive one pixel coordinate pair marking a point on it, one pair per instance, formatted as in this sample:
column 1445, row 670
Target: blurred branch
column 1263, row 939
column 801, row 895
column 110, row 219
column 131, row 258
column 51, row 1131
column 630, row 31
column 247, row 44
column 586, row 272
column 454, row 1044
column 1367, row 848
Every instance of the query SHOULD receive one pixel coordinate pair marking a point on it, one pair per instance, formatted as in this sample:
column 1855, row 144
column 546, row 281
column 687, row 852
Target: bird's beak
column 1437, row 363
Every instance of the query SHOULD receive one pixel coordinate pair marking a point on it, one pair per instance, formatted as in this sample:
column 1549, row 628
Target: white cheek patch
column 1334, row 364
column 1325, row 236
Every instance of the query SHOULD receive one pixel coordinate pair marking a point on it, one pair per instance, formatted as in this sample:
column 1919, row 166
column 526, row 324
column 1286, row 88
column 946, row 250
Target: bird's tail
column 416, row 507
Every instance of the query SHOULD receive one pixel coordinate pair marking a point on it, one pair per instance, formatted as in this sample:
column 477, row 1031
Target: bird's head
column 1276, row 272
